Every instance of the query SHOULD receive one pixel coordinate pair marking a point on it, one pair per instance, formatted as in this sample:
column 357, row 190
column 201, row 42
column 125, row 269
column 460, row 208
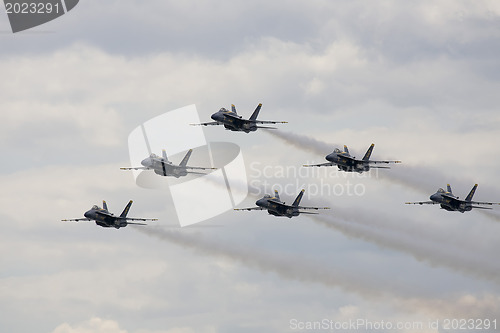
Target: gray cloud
column 420, row 79
column 306, row 270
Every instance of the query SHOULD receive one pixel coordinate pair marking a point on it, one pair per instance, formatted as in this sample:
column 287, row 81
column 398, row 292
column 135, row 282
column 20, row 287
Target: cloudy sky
column 420, row 80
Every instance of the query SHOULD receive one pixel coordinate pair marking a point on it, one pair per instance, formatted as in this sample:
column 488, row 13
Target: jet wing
column 318, row 165
column 138, row 219
column 266, row 127
column 251, row 208
column 77, row 220
column 483, row 203
column 207, row 124
column 269, row 122
column 196, row 173
column 135, row 223
column 135, row 168
column 422, row 203
column 481, row 207
column 380, row 162
column 241, row 121
column 200, row 168
column 315, row 208
column 282, row 204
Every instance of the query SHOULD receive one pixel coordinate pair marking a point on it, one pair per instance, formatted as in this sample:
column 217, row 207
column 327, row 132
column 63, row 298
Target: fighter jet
column 163, row 167
column 105, row 219
column 234, row 122
column 348, row 163
column 450, row 202
column 276, row 207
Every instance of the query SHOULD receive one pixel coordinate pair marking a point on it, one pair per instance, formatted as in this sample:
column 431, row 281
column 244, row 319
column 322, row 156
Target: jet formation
column 273, row 204
column 163, row 167
column 105, row 219
column 345, row 162
column 276, row 207
column 234, row 122
column 450, row 202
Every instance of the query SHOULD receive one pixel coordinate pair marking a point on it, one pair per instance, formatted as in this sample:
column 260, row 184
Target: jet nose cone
column 329, row 157
column 261, row 202
column 87, row 214
column 434, row 197
column 218, row 116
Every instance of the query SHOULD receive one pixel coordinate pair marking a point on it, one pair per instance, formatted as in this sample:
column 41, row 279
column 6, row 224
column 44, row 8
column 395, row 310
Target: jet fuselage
column 450, row 202
column 104, row 218
column 346, row 163
column 277, row 208
column 164, row 168
column 233, row 121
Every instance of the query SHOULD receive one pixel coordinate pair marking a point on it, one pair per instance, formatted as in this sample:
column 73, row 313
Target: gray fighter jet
column 234, row 122
column 105, row 219
column 162, row 166
column 451, row 203
column 276, row 207
column 348, row 163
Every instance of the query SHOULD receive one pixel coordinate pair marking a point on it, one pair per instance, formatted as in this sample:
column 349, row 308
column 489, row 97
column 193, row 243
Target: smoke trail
column 491, row 215
column 421, row 249
column 296, row 268
column 303, row 142
column 428, row 231
column 420, row 182
column 421, row 178
column 418, row 178
column 308, row 271
column 436, row 248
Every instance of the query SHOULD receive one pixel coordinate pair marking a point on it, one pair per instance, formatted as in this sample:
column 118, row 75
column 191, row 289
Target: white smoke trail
column 434, row 253
column 458, row 252
column 303, row 142
column 308, row 271
column 419, row 178
column 408, row 226
column 296, row 268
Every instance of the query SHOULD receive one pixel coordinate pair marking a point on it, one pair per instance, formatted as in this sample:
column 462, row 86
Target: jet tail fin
column 233, row 108
column 186, row 158
column 346, row 150
column 127, row 208
column 104, row 205
column 368, row 153
column 164, row 154
column 299, row 197
column 448, row 188
column 255, row 114
column 471, row 193
column 276, row 195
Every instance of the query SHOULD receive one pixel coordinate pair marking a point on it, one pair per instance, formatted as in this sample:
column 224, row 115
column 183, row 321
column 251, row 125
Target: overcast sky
column 420, row 80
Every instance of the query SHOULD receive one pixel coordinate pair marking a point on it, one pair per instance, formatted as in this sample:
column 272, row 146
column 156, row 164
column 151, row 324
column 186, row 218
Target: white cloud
column 94, row 325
